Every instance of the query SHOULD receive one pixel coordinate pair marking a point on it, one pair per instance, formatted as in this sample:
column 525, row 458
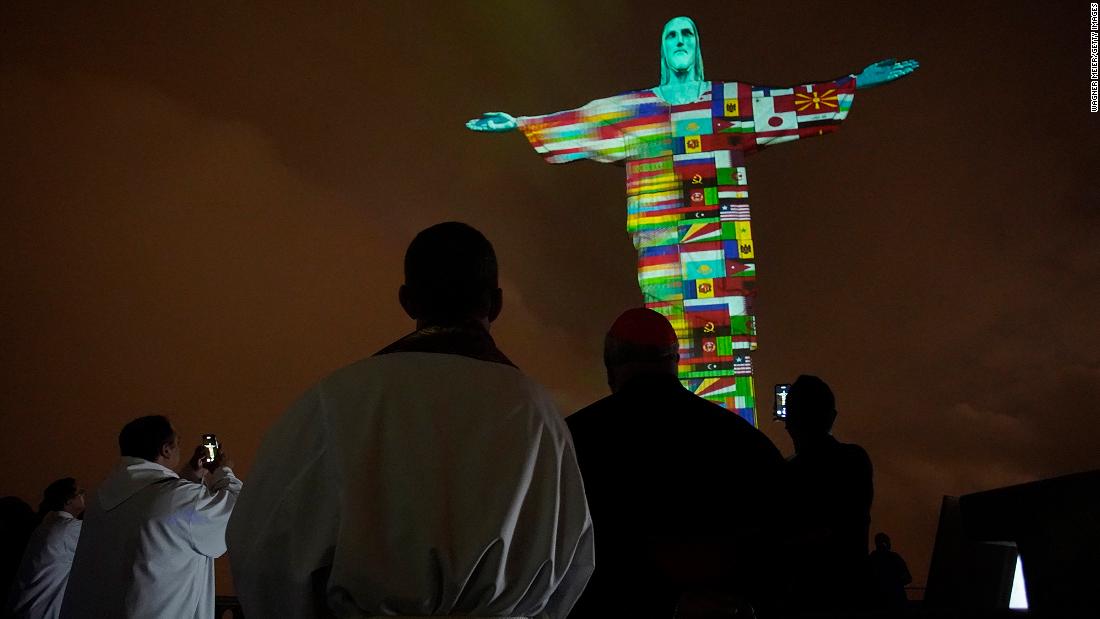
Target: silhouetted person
column 17, row 521
column 150, row 535
column 433, row 478
column 40, row 583
column 830, row 503
column 889, row 574
column 681, row 490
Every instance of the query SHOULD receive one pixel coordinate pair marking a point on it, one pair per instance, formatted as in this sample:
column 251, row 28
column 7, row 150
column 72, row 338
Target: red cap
column 643, row 327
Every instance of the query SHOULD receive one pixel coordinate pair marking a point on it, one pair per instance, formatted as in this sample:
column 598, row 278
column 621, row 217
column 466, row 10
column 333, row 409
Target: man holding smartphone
column 151, row 535
column 831, row 492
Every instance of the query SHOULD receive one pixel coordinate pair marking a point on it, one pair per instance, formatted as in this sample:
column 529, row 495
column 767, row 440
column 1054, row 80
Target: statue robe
column 687, row 202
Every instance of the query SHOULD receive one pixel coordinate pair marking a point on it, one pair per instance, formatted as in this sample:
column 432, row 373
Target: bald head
column 450, row 276
column 640, row 342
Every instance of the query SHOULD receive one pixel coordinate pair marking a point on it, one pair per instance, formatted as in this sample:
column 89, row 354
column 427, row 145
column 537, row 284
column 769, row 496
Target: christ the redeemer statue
column 684, row 144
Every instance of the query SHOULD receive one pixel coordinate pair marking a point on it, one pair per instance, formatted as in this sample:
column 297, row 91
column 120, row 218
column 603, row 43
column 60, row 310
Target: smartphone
column 210, row 442
column 781, row 392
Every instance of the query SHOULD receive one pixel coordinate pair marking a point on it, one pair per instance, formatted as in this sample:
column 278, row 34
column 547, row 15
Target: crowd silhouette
column 439, row 479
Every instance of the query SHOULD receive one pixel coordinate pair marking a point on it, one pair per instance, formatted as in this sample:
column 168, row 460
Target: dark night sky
column 205, row 209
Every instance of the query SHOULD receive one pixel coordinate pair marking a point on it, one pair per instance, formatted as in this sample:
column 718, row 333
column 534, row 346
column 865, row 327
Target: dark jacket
column 831, row 492
column 681, row 493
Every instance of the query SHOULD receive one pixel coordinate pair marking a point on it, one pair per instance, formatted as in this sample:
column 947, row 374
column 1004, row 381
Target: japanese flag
column 767, row 119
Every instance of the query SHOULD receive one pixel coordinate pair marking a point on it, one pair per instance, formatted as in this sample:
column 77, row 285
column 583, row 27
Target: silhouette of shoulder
column 839, row 454
column 852, row 455
column 661, row 407
column 653, row 397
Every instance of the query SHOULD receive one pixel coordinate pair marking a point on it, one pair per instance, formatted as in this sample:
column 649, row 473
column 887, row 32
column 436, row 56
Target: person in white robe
column 150, row 537
column 40, row 582
column 433, row 478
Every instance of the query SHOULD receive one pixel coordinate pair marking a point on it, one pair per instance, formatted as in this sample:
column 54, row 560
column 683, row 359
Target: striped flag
column 734, row 212
column 742, row 365
column 727, row 194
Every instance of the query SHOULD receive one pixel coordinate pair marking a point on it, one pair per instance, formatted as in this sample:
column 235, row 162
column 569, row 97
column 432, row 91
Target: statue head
column 680, row 51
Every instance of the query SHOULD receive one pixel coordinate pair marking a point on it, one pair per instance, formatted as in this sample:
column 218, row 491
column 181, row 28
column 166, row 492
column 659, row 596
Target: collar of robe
column 467, row 339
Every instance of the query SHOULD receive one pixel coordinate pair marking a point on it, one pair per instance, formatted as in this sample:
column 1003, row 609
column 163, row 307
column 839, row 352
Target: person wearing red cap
column 682, row 492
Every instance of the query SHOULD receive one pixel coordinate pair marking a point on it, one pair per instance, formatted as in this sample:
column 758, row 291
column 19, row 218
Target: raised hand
column 218, row 462
column 492, row 121
column 195, row 468
column 885, row 71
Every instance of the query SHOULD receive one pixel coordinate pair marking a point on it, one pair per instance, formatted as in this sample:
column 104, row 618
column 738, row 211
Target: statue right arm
column 495, row 122
column 593, row 131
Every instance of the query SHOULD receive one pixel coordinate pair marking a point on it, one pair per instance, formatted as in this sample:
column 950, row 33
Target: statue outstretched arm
column 588, row 132
column 884, row 72
column 493, row 121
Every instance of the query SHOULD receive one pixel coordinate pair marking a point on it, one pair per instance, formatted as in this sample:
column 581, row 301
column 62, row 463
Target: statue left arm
column 781, row 115
column 884, row 72
column 785, row 114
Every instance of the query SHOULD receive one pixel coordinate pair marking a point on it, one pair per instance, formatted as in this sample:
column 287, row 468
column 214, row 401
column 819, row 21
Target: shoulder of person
column 751, row 437
column 579, row 419
column 539, row 400
column 725, row 419
column 854, row 451
column 182, row 488
column 592, row 413
column 353, row 373
column 58, row 526
column 854, row 455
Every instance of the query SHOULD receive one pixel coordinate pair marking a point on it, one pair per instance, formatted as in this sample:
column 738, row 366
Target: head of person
column 882, row 541
column 17, row 519
column 150, row 438
column 680, row 52
column 811, row 410
column 63, row 495
column 641, row 342
column 451, row 277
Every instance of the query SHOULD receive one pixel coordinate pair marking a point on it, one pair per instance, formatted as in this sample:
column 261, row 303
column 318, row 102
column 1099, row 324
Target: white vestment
column 414, row 483
column 148, row 544
column 40, row 582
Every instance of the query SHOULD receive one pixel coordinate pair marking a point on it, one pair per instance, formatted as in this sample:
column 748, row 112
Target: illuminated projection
column 684, row 144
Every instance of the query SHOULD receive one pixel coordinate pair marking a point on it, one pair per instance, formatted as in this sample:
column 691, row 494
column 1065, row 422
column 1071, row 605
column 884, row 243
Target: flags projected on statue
column 688, row 205
column 735, row 393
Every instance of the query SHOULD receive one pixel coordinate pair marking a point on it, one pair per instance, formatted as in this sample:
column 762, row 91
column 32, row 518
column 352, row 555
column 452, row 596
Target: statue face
column 679, row 44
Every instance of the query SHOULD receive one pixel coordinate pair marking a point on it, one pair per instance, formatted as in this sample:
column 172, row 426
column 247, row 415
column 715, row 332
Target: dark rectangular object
column 966, row 573
column 1055, row 524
